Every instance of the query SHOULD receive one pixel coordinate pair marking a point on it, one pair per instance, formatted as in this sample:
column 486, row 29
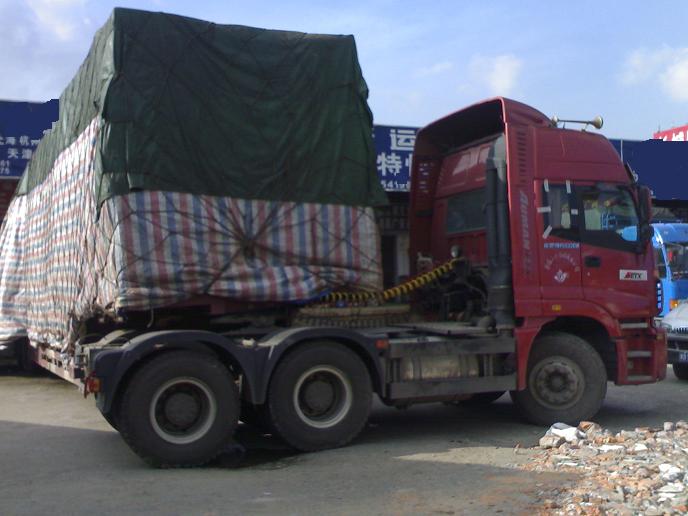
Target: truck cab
column 542, row 215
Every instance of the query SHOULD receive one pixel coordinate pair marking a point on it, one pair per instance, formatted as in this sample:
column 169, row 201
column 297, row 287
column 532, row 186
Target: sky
column 626, row 61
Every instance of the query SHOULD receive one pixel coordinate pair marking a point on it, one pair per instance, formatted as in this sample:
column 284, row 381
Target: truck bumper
column 677, row 348
column 641, row 358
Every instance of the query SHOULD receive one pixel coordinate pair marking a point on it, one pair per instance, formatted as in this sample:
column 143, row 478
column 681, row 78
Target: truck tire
column 319, row 397
column 566, row 381
column 680, row 371
column 179, row 410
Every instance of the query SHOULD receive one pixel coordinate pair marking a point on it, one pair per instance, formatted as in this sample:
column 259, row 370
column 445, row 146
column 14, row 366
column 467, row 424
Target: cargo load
column 194, row 159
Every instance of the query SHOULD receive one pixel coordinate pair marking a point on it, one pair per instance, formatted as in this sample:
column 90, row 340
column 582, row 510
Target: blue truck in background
column 670, row 242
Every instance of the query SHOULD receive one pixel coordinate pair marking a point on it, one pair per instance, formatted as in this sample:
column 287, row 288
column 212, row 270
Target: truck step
column 639, row 354
column 640, row 378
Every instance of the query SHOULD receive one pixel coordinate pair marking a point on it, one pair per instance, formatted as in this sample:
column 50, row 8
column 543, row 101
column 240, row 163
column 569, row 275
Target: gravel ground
column 640, row 471
column 57, row 454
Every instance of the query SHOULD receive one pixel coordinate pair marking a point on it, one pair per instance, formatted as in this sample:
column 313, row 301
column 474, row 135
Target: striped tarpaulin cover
column 12, row 285
column 61, row 261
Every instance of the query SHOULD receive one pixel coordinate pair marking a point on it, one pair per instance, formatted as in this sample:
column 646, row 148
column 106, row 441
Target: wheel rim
column 182, row 410
column 557, row 383
column 322, row 396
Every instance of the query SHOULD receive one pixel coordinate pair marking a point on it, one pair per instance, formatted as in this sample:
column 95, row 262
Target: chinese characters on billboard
column 21, row 128
column 19, row 152
column 394, row 148
column 22, row 125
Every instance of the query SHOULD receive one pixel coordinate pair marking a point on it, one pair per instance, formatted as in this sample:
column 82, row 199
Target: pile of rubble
column 644, row 471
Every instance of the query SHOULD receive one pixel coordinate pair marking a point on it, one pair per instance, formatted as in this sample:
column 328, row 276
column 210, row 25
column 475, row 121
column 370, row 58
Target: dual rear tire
column 319, row 397
column 179, row 410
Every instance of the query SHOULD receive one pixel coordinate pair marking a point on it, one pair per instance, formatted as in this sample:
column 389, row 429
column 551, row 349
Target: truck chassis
column 176, row 396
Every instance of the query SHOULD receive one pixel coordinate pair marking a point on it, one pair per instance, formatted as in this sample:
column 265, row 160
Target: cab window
column 610, row 217
column 466, row 211
column 560, row 214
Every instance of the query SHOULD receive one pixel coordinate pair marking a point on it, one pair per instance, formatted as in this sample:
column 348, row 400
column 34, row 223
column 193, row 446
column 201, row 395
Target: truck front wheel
column 566, row 381
column 179, row 410
column 320, row 396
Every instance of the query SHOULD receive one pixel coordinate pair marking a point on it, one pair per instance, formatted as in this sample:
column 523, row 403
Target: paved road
column 58, row 455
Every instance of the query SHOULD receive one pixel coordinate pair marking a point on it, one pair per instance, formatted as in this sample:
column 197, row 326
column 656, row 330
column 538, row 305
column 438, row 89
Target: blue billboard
column 393, row 149
column 21, row 128
column 661, row 165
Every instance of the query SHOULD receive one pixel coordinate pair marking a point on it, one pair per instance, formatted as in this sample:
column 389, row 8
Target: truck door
column 560, row 267
column 615, row 275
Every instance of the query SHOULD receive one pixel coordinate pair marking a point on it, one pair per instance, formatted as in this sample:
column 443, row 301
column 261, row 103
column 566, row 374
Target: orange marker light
column 92, row 384
column 382, row 344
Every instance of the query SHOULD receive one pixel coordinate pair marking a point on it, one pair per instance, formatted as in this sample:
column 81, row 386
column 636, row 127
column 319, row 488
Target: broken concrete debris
column 643, row 471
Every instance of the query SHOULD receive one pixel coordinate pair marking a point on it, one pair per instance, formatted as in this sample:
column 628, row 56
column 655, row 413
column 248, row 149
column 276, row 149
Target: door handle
column 593, row 261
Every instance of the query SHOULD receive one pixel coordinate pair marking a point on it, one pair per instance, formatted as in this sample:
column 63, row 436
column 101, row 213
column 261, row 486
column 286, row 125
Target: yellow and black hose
column 405, row 288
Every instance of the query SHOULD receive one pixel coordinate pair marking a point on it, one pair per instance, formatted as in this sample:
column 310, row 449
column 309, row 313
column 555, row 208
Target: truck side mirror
column 644, row 216
column 646, row 233
column 644, row 205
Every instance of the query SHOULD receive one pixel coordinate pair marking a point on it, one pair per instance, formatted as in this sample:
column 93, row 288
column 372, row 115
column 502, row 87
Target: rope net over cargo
column 218, row 160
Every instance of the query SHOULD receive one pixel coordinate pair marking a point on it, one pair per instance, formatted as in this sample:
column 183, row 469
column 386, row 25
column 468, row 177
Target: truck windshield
column 610, row 217
column 677, row 257
column 610, row 209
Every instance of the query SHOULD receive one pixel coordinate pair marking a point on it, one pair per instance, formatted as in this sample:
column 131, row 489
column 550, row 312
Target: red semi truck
column 524, row 282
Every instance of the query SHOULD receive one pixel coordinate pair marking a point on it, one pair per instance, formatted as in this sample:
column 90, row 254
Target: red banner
column 677, row 134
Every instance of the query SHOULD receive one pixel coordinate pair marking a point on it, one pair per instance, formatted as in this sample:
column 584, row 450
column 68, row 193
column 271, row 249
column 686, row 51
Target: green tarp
column 191, row 106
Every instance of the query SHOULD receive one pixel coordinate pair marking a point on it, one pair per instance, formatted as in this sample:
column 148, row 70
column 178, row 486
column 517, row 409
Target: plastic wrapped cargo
column 194, row 159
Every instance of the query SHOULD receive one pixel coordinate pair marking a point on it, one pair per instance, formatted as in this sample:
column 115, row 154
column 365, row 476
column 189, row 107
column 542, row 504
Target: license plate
column 683, row 356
